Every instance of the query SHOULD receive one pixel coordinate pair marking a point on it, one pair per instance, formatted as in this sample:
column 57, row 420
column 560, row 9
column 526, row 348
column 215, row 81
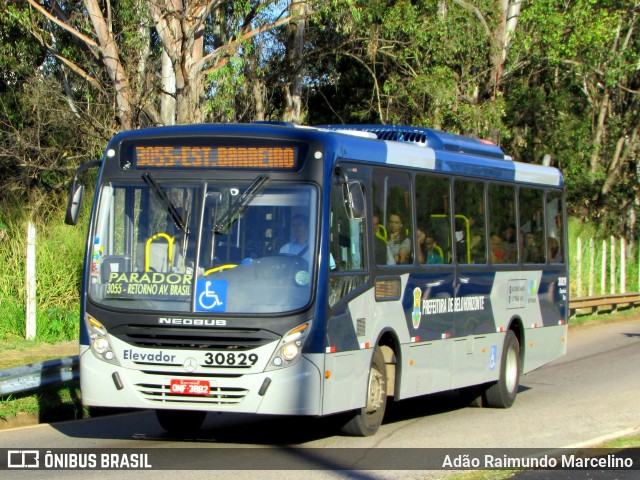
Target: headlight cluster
column 289, row 350
column 100, row 345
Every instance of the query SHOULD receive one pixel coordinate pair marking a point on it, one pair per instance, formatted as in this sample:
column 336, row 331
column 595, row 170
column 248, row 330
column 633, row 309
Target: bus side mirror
column 74, row 204
column 353, row 200
column 76, row 192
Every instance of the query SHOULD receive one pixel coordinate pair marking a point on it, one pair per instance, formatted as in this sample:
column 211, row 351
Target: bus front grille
column 193, row 338
column 159, row 393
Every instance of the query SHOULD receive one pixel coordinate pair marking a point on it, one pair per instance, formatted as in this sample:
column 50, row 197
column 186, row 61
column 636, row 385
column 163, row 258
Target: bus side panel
column 427, row 359
column 554, row 297
column 352, row 334
column 426, row 369
column 349, row 356
column 346, row 386
column 476, row 345
column 529, row 297
column 515, row 295
column 486, row 304
column 546, row 339
column 542, row 345
column 476, row 359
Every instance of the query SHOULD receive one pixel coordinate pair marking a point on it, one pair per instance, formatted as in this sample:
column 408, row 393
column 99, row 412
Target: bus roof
column 414, row 147
column 428, row 137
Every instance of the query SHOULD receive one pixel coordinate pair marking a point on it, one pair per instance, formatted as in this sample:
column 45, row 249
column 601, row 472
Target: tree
column 42, row 139
column 295, row 43
column 577, row 97
column 429, row 62
column 180, row 42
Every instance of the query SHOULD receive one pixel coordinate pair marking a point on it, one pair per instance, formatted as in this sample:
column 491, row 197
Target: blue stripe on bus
column 450, row 308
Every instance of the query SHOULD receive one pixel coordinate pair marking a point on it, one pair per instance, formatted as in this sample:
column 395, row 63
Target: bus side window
column 532, row 224
column 348, row 266
column 503, row 240
column 347, row 237
column 434, row 220
column 469, row 222
column 392, row 204
column 555, row 227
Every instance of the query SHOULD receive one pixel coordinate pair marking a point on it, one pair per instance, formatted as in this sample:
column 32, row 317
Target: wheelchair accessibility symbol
column 211, row 295
column 493, row 358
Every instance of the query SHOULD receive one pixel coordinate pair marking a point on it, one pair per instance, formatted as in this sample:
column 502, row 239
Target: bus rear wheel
column 180, row 422
column 503, row 393
column 365, row 421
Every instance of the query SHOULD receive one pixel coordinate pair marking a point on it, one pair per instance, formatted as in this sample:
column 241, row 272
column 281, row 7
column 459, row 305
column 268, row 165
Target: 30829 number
column 231, row 359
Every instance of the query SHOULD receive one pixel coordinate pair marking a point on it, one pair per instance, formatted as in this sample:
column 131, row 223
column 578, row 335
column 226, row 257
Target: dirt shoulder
column 15, row 354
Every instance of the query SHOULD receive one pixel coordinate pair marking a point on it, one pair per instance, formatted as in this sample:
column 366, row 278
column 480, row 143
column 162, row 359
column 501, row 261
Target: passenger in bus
column 528, row 247
column 429, row 251
column 509, row 245
column 533, row 249
column 300, row 232
column 497, row 253
column 398, row 244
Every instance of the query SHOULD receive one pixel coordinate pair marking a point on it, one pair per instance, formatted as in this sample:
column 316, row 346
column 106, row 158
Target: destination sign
column 139, row 285
column 215, row 157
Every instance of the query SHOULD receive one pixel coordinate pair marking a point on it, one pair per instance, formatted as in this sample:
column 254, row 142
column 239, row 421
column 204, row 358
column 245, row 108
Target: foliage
column 574, row 95
column 420, row 63
column 59, row 259
column 42, row 141
column 544, row 77
column 539, row 78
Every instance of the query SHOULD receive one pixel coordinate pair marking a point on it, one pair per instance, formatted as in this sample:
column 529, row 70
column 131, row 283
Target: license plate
column 189, row 387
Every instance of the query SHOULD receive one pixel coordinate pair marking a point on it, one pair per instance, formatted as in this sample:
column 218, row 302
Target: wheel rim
column 375, row 399
column 511, row 370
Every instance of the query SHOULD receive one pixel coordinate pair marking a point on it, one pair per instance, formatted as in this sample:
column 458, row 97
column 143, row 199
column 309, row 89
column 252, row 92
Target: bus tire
column 180, row 422
column 502, row 393
column 365, row 421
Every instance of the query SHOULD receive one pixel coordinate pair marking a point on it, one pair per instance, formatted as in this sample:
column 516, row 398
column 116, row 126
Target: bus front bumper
column 294, row 390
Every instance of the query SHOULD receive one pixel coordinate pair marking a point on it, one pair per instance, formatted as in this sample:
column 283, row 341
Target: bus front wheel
column 180, row 422
column 365, row 421
column 503, row 393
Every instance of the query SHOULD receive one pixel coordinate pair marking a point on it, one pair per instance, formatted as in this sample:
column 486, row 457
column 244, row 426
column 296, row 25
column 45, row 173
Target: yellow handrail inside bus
column 220, row 268
column 147, row 249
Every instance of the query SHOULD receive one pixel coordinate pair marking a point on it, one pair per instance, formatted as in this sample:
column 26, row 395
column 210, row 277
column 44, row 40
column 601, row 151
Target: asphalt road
column 586, row 397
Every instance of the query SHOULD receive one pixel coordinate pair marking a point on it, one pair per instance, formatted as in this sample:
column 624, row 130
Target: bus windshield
column 236, row 247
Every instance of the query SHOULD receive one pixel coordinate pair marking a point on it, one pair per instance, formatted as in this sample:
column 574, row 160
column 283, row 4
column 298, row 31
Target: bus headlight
column 289, row 350
column 100, row 345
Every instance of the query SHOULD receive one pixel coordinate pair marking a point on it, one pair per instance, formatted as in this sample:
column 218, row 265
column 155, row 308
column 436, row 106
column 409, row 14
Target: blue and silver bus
column 277, row 269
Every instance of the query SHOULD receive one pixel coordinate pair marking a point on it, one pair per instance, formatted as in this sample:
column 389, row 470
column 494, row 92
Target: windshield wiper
column 223, row 223
column 165, row 201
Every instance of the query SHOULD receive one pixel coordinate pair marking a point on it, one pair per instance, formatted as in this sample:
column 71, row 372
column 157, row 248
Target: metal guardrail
column 613, row 300
column 31, row 377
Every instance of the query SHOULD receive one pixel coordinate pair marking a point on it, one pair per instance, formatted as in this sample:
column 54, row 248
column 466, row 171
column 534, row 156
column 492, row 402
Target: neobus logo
column 196, row 322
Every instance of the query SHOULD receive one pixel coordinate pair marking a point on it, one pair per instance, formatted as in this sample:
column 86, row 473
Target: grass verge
column 51, row 403
column 621, row 314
